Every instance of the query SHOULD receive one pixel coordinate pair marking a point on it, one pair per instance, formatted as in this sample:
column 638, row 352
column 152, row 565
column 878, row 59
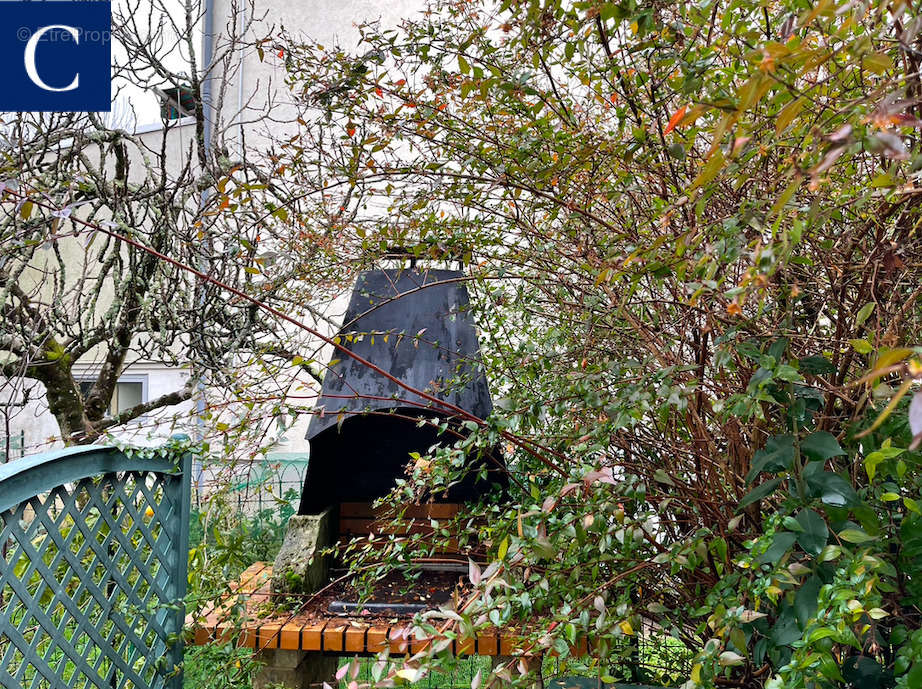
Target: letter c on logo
column 31, row 45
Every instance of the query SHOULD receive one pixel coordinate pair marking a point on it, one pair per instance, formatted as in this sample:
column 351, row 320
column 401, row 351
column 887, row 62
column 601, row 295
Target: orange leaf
column 350, row 131
column 675, row 119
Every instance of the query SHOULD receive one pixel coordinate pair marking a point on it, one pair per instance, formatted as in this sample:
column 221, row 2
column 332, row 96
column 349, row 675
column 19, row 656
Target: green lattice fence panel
column 94, row 550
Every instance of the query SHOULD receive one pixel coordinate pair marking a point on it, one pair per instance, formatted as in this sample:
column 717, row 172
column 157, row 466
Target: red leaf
column 281, row 53
column 675, row 119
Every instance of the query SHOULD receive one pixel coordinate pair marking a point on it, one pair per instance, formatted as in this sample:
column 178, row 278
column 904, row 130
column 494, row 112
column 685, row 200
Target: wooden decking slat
column 290, row 637
column 432, row 510
column 376, row 639
column 355, row 637
column 312, row 636
column 506, row 645
column 464, row 647
column 399, row 643
column 488, row 644
column 269, row 636
column 334, row 637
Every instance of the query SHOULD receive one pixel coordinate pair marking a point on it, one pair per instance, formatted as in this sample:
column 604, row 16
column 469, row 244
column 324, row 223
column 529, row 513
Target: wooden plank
column 376, row 638
column 355, row 637
column 268, row 636
column 202, row 636
column 361, row 510
column 312, row 636
column 488, row 644
column 290, row 637
column 417, row 645
column 398, row 639
column 223, row 633
column 333, row 637
column 464, row 647
column 212, row 626
column 250, row 577
column 507, row 645
column 434, row 510
column 247, row 638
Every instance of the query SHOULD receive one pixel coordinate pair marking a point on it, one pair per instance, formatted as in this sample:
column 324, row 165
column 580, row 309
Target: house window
column 130, row 391
column 176, row 103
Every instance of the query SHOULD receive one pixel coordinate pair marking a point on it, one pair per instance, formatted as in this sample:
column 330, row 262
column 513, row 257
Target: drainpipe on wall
column 207, row 130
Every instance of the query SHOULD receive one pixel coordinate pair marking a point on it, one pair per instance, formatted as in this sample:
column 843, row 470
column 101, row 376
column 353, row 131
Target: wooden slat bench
column 331, row 634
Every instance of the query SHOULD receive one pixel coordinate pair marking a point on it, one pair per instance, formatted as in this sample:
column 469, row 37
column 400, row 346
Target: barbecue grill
column 415, row 327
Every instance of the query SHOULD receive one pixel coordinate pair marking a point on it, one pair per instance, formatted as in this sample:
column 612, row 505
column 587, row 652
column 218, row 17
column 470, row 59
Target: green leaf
column 861, row 346
column 781, row 544
column 877, row 62
column 662, row 477
column 777, row 455
column 815, row 532
column 837, row 491
column 831, row 488
column 875, row 458
column 863, row 672
column 830, row 552
column 855, row 536
column 791, row 524
column 759, row 492
column 709, row 170
column 821, row 445
column 786, row 630
column 816, row 365
column 787, row 114
column 864, row 312
column 805, row 600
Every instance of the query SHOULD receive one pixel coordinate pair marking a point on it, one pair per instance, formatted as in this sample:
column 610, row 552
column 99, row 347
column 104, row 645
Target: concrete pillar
column 294, row 669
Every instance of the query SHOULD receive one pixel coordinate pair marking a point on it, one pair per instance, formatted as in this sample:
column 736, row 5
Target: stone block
column 293, row 669
column 300, row 567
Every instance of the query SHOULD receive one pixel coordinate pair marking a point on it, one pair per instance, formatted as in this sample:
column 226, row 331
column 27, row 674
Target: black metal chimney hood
column 417, row 327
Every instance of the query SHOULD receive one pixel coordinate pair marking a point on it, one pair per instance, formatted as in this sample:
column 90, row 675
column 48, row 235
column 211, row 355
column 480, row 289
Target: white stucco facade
column 252, row 84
